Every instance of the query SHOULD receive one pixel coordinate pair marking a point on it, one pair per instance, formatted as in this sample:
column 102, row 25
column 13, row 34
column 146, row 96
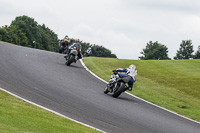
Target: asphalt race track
column 43, row 78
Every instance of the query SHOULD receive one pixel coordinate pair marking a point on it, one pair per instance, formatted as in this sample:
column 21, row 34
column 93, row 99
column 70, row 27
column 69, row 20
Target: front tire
column 61, row 50
column 106, row 90
column 119, row 90
column 70, row 60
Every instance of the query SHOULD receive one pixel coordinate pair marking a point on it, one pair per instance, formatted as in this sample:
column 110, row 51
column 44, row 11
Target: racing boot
column 128, row 88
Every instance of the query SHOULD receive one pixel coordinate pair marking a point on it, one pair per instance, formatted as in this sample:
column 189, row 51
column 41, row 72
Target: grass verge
column 172, row 84
column 17, row 116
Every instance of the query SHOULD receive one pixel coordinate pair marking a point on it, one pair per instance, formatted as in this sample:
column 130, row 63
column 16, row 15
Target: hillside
column 172, row 84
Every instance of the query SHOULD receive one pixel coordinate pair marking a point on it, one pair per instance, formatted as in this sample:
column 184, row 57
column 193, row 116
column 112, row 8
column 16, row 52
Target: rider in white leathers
column 131, row 71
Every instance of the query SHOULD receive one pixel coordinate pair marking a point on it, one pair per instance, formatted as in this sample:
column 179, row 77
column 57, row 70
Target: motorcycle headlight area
column 112, row 80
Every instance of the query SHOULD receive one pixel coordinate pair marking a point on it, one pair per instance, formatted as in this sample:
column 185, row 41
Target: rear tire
column 120, row 90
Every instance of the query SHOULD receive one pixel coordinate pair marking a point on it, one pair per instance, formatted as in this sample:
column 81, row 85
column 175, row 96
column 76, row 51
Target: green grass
column 17, row 116
column 172, row 84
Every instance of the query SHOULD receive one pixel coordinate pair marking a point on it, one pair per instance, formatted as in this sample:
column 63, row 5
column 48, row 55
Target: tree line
column 158, row 51
column 97, row 51
column 25, row 31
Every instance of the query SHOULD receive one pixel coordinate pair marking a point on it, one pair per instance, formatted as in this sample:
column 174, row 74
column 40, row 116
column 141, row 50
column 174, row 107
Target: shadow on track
column 123, row 98
column 75, row 66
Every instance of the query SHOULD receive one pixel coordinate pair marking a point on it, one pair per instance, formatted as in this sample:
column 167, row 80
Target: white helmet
column 132, row 71
column 132, row 67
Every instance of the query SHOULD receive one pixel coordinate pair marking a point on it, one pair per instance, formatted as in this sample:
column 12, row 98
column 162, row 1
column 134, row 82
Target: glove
column 114, row 71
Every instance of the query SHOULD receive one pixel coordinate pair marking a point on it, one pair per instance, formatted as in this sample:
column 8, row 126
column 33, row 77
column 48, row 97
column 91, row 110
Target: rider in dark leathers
column 64, row 43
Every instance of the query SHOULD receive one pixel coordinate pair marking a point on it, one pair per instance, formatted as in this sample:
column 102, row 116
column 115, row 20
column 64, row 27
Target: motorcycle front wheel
column 61, row 50
column 106, row 90
column 119, row 90
column 70, row 60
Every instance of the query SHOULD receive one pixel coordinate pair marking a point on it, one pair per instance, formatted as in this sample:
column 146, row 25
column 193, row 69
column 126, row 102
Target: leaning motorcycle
column 63, row 45
column 88, row 52
column 116, row 85
column 72, row 55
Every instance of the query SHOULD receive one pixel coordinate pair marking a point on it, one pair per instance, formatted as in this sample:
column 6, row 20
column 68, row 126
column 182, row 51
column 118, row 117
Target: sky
column 123, row 26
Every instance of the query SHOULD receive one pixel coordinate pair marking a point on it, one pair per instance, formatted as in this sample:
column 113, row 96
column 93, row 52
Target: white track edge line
column 51, row 110
column 139, row 97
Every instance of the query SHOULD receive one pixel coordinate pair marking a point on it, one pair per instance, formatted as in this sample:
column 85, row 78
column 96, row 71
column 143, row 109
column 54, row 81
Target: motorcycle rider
column 79, row 52
column 88, row 52
column 131, row 71
column 64, row 43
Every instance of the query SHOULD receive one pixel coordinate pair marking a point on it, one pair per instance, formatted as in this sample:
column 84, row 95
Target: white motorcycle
column 73, row 52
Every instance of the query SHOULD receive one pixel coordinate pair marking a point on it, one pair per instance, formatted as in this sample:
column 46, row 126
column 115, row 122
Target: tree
column 154, row 51
column 185, row 51
column 28, row 26
column 25, row 30
column 4, row 34
column 13, row 35
column 100, row 51
column 47, row 39
column 197, row 54
column 17, row 36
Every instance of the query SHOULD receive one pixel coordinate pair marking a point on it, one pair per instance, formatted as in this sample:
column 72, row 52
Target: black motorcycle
column 63, row 46
column 116, row 85
column 73, row 54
